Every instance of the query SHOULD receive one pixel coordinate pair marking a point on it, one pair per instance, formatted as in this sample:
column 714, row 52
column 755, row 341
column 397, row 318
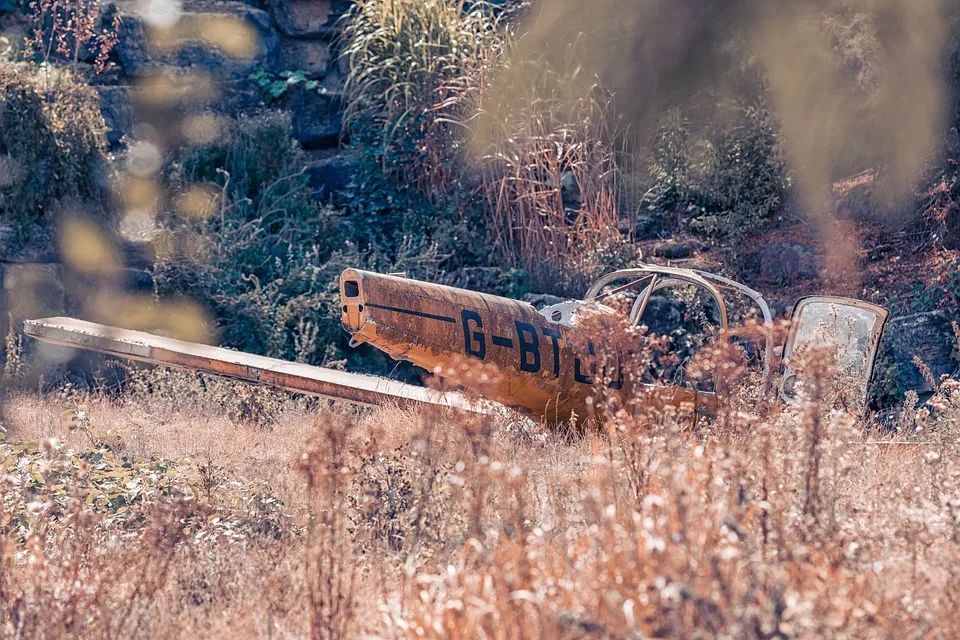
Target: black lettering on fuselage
column 555, row 337
column 474, row 342
column 529, row 347
column 578, row 374
column 501, row 341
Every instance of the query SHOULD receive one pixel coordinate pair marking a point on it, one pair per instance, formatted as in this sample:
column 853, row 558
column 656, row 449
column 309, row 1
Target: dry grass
column 549, row 174
column 771, row 521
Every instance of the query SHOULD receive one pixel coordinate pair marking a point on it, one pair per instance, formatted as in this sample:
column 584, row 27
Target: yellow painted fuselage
column 548, row 369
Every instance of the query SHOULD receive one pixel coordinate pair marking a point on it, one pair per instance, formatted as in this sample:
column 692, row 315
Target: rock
column 137, row 254
column 787, row 262
column 310, row 56
column 316, row 118
column 117, row 111
column 219, row 38
column 541, row 300
column 570, row 190
column 306, row 18
column 663, row 315
column 338, row 70
column 928, row 336
column 330, row 174
column 676, row 250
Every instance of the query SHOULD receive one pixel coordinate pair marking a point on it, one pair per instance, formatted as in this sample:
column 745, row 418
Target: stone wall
column 291, row 35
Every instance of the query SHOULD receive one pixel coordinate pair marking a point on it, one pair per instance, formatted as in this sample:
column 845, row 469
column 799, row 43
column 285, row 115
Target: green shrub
column 723, row 178
column 52, row 144
column 398, row 226
column 251, row 244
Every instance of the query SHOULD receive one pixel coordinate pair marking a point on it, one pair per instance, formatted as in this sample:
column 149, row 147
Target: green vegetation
column 723, row 180
column 51, row 483
column 411, row 66
column 52, row 145
column 276, row 85
column 249, row 241
column 405, row 110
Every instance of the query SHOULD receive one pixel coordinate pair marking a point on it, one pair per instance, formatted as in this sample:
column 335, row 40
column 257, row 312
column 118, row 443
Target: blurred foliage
column 723, row 179
column 52, row 144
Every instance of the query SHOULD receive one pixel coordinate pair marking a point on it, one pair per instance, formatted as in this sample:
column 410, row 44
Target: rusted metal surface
column 328, row 383
column 547, row 366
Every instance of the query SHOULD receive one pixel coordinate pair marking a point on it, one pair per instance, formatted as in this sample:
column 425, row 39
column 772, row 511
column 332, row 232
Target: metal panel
column 328, row 383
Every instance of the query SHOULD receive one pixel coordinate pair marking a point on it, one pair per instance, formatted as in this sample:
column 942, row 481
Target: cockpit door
column 852, row 328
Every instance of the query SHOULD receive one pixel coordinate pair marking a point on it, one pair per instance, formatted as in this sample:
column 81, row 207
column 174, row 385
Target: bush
column 248, row 241
column 52, row 144
column 723, row 179
column 417, row 80
column 397, row 226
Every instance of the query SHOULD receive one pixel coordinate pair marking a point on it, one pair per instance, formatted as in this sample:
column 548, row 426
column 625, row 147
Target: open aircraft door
column 852, row 328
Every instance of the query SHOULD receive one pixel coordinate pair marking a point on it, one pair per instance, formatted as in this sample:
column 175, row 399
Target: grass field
column 172, row 510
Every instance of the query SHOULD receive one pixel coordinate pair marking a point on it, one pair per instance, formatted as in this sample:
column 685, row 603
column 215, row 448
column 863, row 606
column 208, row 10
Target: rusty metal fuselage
column 548, row 367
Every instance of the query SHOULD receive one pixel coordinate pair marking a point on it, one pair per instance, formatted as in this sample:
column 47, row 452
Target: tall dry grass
column 546, row 150
column 771, row 521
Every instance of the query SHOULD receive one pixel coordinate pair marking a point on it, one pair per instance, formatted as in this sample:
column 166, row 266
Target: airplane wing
column 348, row 387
